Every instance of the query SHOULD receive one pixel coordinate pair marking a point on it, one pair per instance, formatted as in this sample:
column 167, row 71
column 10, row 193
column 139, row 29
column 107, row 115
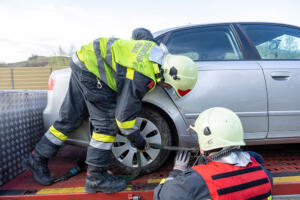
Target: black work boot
column 38, row 165
column 98, row 180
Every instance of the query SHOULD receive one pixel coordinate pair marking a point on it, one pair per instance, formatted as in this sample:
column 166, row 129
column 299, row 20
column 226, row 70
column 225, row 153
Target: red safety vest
column 225, row 181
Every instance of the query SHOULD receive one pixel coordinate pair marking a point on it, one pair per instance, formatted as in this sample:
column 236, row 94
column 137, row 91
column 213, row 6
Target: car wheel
column 154, row 128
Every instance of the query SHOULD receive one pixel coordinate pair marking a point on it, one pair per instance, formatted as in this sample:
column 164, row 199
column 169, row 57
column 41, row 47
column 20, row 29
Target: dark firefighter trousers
column 85, row 97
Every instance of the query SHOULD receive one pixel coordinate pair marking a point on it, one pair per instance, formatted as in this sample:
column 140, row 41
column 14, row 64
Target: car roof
column 161, row 32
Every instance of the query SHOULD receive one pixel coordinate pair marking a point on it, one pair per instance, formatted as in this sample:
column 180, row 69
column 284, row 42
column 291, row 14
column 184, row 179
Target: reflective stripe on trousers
column 55, row 136
column 100, row 145
column 102, row 141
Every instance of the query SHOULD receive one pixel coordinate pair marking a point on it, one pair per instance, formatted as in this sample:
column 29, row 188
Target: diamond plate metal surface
column 21, row 126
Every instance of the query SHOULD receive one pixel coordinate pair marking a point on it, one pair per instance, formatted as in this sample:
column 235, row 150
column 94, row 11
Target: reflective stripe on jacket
column 226, row 181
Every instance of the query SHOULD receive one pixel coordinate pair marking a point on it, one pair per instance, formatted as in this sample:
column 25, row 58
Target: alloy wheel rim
column 126, row 154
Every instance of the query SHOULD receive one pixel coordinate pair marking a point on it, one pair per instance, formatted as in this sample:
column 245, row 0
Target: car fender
column 161, row 99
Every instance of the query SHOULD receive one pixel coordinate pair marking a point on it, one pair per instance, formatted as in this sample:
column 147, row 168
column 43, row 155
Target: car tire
column 148, row 119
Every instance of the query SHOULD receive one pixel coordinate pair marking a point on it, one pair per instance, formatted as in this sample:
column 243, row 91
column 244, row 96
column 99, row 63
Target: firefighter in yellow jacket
column 109, row 78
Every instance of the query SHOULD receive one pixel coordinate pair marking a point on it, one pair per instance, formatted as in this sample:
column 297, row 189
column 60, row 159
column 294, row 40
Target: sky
column 40, row 27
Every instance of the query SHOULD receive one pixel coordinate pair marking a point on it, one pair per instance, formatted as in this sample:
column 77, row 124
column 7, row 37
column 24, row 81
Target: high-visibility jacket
column 125, row 66
column 215, row 181
column 104, row 56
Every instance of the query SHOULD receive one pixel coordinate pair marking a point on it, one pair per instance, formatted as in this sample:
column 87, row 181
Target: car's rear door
column 279, row 49
column 225, row 79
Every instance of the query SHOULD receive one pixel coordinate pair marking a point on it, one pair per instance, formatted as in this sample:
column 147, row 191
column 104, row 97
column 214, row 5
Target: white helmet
column 180, row 72
column 217, row 128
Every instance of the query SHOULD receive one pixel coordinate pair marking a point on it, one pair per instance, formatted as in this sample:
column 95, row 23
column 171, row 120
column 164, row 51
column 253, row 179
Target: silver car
column 250, row 68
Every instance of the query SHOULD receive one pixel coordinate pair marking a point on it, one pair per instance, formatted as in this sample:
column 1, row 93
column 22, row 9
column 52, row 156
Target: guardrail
column 29, row 78
column 21, row 126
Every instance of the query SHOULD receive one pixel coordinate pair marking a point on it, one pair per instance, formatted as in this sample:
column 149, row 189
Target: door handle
column 280, row 75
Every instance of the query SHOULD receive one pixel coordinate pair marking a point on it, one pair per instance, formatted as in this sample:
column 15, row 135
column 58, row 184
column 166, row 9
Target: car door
column 279, row 49
column 225, row 79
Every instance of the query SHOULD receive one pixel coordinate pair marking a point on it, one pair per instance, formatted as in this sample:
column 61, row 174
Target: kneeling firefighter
column 223, row 171
column 109, row 78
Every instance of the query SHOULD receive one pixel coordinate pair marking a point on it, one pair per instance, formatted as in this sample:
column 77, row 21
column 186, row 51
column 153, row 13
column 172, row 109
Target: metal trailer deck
column 282, row 160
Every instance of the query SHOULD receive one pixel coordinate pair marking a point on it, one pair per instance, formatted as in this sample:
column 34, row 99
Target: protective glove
column 182, row 160
column 137, row 140
column 147, row 147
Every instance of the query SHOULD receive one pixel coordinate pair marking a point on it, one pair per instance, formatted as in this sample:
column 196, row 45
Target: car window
column 275, row 42
column 205, row 43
